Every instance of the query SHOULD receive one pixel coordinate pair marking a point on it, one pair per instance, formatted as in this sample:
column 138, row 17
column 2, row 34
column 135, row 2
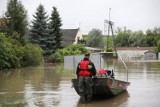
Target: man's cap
column 87, row 54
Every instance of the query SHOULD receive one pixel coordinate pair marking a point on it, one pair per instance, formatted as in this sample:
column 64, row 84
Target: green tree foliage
column 150, row 38
column 17, row 19
column 94, row 38
column 128, row 38
column 8, row 58
column 158, row 46
column 55, row 34
column 69, row 50
column 39, row 29
column 153, row 35
column 31, row 55
column 137, row 38
column 122, row 38
column 13, row 54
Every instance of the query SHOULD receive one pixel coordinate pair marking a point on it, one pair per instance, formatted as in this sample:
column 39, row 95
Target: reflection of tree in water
column 11, row 81
column 35, row 85
column 52, row 75
column 46, row 89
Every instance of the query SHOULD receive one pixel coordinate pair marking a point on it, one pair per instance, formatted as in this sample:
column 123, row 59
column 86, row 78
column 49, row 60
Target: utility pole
column 110, row 28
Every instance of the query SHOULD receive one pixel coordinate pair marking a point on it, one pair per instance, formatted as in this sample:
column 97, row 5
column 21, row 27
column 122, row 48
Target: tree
column 129, row 38
column 55, row 34
column 153, row 35
column 150, row 38
column 137, row 38
column 17, row 19
column 94, row 38
column 39, row 28
column 122, row 38
column 158, row 45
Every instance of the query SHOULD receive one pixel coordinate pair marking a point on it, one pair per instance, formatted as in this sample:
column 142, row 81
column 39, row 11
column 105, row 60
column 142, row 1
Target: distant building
column 150, row 55
column 3, row 21
column 71, row 36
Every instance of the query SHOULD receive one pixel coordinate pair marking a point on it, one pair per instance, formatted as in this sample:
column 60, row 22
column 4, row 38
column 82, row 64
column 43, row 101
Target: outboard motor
column 110, row 73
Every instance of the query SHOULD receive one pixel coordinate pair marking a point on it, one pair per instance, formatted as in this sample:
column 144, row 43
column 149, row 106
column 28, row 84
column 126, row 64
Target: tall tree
column 94, row 38
column 55, row 29
column 137, row 38
column 17, row 19
column 153, row 35
column 39, row 28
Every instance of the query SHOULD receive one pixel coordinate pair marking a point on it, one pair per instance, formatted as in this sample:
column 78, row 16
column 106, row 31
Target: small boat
column 106, row 86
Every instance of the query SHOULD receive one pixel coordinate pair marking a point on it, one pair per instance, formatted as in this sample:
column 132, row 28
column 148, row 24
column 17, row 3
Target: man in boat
column 85, row 70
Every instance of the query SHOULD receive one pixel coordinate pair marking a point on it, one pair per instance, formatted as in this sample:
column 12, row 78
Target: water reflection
column 117, row 101
column 50, row 86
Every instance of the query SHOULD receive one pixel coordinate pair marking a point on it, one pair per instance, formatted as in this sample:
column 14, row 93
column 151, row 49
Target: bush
column 70, row 50
column 14, row 55
column 28, row 54
column 8, row 58
column 31, row 55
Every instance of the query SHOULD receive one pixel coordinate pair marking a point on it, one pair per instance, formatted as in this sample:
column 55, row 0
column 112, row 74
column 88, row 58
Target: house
column 3, row 23
column 71, row 36
column 150, row 55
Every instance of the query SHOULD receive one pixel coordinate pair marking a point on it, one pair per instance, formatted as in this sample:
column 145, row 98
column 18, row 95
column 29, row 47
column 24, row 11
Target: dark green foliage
column 31, row 55
column 128, row 38
column 14, row 55
column 17, row 19
column 94, row 38
column 122, row 38
column 39, row 31
column 137, row 38
column 70, row 50
column 8, row 58
column 158, row 46
column 55, row 34
column 153, row 35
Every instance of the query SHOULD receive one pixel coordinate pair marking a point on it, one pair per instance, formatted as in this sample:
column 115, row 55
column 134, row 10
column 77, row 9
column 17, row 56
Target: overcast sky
column 88, row 14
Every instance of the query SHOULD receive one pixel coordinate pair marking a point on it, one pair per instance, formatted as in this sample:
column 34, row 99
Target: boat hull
column 104, row 86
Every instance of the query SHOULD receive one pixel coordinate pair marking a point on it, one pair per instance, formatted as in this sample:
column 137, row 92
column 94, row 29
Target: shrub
column 70, row 50
column 14, row 55
column 31, row 55
column 8, row 58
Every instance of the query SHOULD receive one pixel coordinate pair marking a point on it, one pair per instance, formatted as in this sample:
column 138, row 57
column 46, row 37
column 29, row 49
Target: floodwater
column 50, row 85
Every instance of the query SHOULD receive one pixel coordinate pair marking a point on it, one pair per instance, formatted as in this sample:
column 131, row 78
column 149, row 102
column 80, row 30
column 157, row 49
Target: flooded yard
column 50, row 85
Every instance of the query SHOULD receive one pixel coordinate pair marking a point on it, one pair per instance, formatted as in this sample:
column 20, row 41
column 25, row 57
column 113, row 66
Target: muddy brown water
column 50, row 86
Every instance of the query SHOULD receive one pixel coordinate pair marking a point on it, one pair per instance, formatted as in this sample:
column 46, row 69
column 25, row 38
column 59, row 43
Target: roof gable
column 69, row 34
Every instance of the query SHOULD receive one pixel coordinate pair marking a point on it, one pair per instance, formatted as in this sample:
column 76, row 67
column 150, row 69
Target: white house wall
column 79, row 35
